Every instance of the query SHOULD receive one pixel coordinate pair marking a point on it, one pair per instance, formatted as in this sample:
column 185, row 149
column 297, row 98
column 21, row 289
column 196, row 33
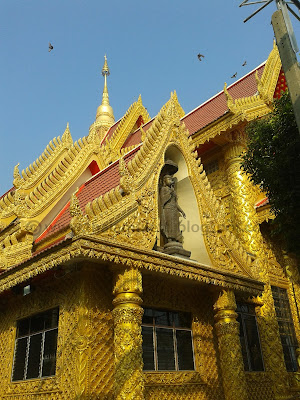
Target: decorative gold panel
column 85, row 340
column 259, row 386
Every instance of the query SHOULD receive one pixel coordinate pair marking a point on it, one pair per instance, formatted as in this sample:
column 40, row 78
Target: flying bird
column 200, row 56
column 50, row 47
column 244, row 63
column 234, row 75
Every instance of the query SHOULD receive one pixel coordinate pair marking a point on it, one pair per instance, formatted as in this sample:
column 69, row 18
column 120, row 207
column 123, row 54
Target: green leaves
column 273, row 162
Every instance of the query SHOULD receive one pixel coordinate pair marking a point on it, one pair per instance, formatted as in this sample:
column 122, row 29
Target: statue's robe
column 169, row 219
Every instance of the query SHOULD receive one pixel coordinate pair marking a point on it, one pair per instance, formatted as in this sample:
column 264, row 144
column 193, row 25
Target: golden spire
column 105, row 115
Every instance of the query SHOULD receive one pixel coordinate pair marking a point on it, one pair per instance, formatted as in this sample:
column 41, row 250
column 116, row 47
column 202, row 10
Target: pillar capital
column 237, row 143
column 225, row 307
column 128, row 281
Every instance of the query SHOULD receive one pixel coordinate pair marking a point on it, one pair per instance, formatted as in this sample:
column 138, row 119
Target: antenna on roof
column 282, row 5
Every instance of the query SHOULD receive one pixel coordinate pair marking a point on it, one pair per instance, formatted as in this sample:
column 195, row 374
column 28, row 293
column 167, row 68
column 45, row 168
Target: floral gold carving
column 229, row 346
column 129, row 380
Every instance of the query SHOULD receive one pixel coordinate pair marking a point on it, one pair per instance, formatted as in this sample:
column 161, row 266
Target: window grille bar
column 175, row 348
column 26, row 358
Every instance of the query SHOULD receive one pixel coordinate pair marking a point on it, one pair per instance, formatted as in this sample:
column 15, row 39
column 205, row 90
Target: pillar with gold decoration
column 227, row 328
column 129, row 381
column 247, row 229
column 245, row 219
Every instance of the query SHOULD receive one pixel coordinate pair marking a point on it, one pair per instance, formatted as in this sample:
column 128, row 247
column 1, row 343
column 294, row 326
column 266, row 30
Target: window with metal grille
column 211, row 167
column 35, row 346
column 249, row 338
column 286, row 327
column 167, row 341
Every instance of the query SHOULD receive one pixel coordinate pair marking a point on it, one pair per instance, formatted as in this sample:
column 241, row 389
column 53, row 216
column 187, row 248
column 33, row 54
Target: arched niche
column 191, row 228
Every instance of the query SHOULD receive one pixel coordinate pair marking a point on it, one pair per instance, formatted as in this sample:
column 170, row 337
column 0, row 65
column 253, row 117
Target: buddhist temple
column 137, row 263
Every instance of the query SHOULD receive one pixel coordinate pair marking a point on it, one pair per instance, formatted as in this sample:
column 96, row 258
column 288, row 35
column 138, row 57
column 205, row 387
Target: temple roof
column 216, row 106
column 96, row 186
column 64, row 164
column 210, row 110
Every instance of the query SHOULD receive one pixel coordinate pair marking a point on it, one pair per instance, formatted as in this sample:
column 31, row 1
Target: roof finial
column 105, row 69
column 105, row 115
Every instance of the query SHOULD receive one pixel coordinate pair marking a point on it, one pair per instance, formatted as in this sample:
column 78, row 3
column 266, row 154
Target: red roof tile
column 215, row 107
column 281, row 85
column 136, row 136
column 212, row 109
column 133, row 139
column 262, row 202
column 96, row 186
column 111, row 131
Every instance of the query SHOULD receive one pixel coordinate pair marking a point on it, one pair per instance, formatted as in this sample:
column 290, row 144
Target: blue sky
column 152, row 49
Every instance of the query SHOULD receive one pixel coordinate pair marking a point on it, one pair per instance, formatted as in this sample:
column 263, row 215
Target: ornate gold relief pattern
column 204, row 382
column 271, row 344
column 15, row 248
column 40, row 188
column 129, row 380
column 54, row 150
column 101, row 371
column 172, row 378
column 283, row 270
column 128, row 213
column 227, row 328
column 112, row 147
column 264, row 214
column 105, row 251
column 267, row 84
column 81, row 339
column 21, row 307
column 245, row 218
column 225, row 250
column 247, row 228
column 259, row 386
column 61, row 175
column 84, row 361
column 219, row 184
column 139, row 228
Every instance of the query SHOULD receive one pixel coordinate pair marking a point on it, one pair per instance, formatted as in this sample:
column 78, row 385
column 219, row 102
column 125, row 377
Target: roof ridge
column 222, row 91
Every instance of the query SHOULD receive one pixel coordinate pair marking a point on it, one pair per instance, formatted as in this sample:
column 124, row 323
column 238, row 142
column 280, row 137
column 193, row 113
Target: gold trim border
column 85, row 247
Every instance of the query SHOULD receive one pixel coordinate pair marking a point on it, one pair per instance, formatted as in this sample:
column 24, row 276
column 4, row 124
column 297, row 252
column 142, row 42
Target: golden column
column 247, row 229
column 227, row 328
column 129, row 380
column 245, row 219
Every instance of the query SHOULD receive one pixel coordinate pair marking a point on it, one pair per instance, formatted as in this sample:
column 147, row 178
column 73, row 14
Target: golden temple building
column 100, row 298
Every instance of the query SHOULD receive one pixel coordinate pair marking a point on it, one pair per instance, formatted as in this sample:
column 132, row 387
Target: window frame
column 212, row 166
column 243, row 316
column 28, row 338
column 174, row 329
column 286, row 320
